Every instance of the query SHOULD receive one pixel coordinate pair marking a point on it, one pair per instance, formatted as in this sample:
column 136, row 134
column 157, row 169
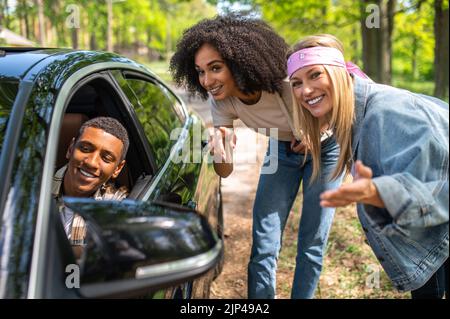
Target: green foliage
column 136, row 24
column 413, row 43
column 158, row 24
column 413, row 33
column 297, row 19
column 419, row 86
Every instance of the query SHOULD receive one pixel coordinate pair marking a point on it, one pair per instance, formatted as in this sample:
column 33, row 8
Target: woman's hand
column 222, row 143
column 297, row 147
column 361, row 190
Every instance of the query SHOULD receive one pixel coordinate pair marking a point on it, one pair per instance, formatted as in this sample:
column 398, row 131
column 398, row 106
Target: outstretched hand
column 361, row 190
column 297, row 147
column 222, row 142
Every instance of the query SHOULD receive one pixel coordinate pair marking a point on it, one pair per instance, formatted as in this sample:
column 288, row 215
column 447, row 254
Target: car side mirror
column 135, row 247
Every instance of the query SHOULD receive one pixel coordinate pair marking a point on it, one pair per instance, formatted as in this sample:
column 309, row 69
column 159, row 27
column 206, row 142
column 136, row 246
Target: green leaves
column 154, row 24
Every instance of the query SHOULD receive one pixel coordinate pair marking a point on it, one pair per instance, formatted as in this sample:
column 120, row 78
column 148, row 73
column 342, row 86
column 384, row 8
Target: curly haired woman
column 239, row 65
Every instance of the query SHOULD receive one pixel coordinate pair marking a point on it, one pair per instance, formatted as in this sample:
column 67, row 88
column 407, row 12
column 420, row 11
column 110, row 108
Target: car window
column 158, row 114
column 8, row 92
column 176, row 105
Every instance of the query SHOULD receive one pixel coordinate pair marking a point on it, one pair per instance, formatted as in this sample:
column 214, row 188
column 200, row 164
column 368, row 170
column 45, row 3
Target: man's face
column 93, row 159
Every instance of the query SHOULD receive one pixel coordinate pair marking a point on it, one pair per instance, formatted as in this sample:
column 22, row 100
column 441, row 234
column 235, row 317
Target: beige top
column 271, row 111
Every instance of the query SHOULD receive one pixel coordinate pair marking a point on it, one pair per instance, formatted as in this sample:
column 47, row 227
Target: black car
column 163, row 241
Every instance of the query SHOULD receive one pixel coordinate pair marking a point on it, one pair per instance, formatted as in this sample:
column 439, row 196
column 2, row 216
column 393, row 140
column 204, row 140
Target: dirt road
column 238, row 196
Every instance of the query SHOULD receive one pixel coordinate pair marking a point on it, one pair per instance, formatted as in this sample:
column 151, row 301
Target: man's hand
column 361, row 190
column 222, row 143
column 297, row 147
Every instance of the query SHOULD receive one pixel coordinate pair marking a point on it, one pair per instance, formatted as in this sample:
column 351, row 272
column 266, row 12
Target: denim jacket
column 403, row 137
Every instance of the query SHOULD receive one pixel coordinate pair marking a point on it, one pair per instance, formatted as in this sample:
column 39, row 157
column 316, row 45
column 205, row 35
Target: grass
column 424, row 87
column 350, row 269
column 417, row 86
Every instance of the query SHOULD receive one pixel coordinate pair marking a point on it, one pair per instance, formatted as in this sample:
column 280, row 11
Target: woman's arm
column 361, row 190
column 406, row 146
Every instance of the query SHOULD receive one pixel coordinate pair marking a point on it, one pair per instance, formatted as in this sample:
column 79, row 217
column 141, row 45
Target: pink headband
column 320, row 55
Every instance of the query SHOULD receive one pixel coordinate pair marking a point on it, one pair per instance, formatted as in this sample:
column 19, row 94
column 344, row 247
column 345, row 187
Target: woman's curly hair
column 250, row 48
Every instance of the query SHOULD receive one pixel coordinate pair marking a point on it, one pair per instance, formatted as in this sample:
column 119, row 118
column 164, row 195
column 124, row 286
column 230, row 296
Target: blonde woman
column 395, row 143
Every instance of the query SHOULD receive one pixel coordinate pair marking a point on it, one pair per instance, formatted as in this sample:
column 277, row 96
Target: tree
column 109, row 39
column 23, row 14
column 5, row 18
column 41, row 34
column 413, row 42
column 441, row 48
column 377, row 24
column 2, row 12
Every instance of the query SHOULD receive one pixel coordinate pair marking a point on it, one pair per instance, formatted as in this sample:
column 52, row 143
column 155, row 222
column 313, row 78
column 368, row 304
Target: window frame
column 179, row 143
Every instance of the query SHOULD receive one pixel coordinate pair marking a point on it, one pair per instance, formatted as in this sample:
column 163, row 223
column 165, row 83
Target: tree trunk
column 2, row 13
column 414, row 48
column 23, row 20
column 109, row 40
column 388, row 38
column 26, row 22
column 376, row 31
column 41, row 21
column 93, row 42
column 74, row 38
column 7, row 18
column 441, row 49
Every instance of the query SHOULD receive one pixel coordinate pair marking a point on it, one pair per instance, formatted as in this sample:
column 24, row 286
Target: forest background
column 399, row 42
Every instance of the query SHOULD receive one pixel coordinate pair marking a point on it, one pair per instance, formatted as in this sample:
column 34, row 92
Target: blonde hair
column 342, row 112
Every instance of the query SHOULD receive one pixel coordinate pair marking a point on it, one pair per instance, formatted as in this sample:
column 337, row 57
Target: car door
column 177, row 141
column 140, row 248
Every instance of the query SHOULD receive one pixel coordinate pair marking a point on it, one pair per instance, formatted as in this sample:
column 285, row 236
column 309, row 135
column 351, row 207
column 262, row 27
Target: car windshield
column 8, row 92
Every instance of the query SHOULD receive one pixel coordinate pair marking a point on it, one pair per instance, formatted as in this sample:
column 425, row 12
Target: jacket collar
column 361, row 89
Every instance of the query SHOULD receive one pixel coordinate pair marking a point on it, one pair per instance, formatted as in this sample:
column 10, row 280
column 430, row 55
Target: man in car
column 95, row 157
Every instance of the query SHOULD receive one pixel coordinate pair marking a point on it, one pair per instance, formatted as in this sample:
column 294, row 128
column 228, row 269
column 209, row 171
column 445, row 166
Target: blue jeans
column 436, row 287
column 275, row 196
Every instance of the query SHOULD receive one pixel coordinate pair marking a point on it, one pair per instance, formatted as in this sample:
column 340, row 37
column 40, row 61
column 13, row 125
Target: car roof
column 15, row 63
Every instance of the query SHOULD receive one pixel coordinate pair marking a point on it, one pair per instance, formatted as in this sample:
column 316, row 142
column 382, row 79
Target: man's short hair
column 111, row 126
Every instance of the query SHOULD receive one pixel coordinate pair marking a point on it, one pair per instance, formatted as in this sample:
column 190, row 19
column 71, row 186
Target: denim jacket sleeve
column 407, row 147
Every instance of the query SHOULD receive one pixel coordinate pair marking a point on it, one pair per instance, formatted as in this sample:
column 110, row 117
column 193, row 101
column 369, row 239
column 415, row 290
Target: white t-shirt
column 271, row 111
